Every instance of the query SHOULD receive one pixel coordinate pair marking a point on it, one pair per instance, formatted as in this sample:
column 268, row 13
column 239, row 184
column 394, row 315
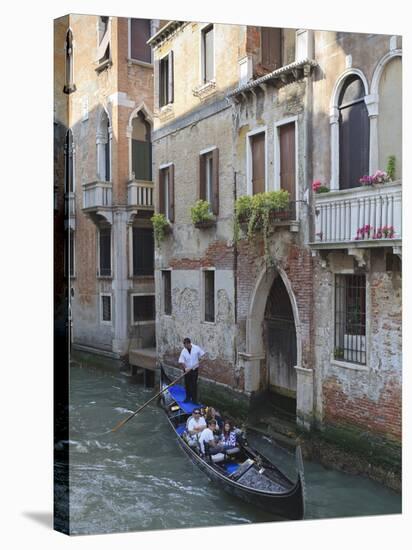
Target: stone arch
column 254, row 339
column 104, row 144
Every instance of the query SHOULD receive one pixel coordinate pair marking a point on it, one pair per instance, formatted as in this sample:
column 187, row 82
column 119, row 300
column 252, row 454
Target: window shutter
column 202, row 177
column 157, row 93
column 161, row 192
column 271, row 47
column 140, row 34
column 172, row 193
column 208, row 59
column 107, row 160
column 215, row 182
column 288, row 159
column 170, row 79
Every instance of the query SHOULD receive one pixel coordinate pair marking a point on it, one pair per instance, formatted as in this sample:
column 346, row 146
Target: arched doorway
column 279, row 337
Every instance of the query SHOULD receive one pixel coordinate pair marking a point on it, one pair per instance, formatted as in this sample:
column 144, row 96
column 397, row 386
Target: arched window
column 390, row 115
column 68, row 163
column 353, row 133
column 104, row 148
column 141, row 148
column 69, row 87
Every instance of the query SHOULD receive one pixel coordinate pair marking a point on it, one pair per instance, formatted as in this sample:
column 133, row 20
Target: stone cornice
column 296, row 70
column 164, row 33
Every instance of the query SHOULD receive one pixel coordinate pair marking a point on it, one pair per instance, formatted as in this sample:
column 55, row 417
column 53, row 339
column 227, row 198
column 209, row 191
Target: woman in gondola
column 228, row 437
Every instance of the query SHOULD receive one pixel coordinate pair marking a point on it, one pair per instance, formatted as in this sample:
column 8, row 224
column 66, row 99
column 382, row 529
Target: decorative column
column 120, row 282
column 372, row 104
column 101, row 140
column 334, row 148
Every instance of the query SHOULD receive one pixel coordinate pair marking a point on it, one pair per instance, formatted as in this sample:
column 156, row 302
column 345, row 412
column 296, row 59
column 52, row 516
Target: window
column 209, row 178
column 350, row 318
column 390, row 115
column 103, row 148
column 69, row 86
column 271, row 48
column 143, row 308
column 278, row 47
column 167, row 292
column 209, row 287
column 166, row 80
column 258, row 162
column 143, row 251
column 208, row 65
column 141, row 148
column 166, row 192
column 68, row 162
column 106, row 308
column 139, row 35
column 105, row 256
column 353, row 133
column 287, row 159
column 103, row 49
column 71, row 253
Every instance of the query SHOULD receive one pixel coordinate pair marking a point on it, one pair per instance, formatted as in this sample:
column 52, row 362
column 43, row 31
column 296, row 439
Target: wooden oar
column 123, row 422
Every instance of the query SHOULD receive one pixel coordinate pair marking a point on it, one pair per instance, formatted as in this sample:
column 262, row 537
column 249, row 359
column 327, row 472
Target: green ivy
column 160, row 223
column 255, row 210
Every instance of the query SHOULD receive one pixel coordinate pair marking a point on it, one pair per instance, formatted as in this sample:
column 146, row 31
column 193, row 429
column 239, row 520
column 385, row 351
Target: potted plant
column 201, row 215
column 390, row 167
column 161, row 227
column 378, row 177
column 318, row 187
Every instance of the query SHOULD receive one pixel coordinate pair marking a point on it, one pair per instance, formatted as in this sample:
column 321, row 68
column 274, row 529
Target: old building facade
column 309, row 307
column 104, row 107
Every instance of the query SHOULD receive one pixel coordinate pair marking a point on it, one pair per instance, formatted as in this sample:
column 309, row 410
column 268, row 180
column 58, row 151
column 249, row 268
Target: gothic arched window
column 353, row 133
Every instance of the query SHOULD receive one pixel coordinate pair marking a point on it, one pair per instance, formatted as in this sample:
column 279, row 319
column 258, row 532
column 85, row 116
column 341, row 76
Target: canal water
column 139, row 479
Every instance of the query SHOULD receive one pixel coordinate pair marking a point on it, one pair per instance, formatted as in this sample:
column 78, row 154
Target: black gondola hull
column 287, row 504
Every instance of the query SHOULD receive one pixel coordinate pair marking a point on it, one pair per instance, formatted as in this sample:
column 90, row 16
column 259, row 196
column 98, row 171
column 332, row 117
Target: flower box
column 205, row 224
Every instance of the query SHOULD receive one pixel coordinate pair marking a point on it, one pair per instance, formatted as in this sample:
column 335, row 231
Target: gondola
column 244, row 472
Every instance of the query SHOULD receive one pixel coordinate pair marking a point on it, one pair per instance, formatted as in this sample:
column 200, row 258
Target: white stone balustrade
column 340, row 214
column 140, row 193
column 97, row 194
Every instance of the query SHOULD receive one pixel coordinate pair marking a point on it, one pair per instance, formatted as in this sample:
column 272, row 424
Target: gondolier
column 190, row 358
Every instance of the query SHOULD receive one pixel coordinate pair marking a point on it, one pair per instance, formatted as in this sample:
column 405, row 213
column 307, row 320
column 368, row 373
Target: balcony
column 70, row 210
column 97, row 200
column 362, row 217
column 140, row 194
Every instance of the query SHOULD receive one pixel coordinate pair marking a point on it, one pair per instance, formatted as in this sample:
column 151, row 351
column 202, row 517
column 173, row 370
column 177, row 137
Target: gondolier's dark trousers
column 191, row 385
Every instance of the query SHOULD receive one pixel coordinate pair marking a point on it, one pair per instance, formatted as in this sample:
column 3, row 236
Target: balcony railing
column 140, row 193
column 97, row 194
column 372, row 215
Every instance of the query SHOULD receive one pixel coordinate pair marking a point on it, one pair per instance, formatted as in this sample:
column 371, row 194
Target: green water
column 139, row 479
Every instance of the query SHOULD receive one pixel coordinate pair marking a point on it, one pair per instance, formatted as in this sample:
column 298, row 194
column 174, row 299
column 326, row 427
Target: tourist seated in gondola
column 228, row 439
column 195, row 425
column 208, row 440
column 212, row 414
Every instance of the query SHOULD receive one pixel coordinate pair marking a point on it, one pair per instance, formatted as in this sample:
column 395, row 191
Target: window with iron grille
column 350, row 318
column 105, row 252
column 167, row 292
column 106, row 308
column 143, row 308
column 143, row 251
column 209, row 286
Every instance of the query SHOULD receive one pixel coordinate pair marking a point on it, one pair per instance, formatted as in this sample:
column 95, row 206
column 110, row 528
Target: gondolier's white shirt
column 192, row 358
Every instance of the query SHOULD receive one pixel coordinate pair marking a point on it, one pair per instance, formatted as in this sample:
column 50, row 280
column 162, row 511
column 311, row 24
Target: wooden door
column 288, row 159
column 258, row 163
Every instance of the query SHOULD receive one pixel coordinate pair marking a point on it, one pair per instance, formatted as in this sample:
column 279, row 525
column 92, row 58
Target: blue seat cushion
column 179, row 395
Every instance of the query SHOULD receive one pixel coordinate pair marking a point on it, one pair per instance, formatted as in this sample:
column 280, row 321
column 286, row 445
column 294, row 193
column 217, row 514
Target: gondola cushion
column 218, row 457
column 232, row 451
